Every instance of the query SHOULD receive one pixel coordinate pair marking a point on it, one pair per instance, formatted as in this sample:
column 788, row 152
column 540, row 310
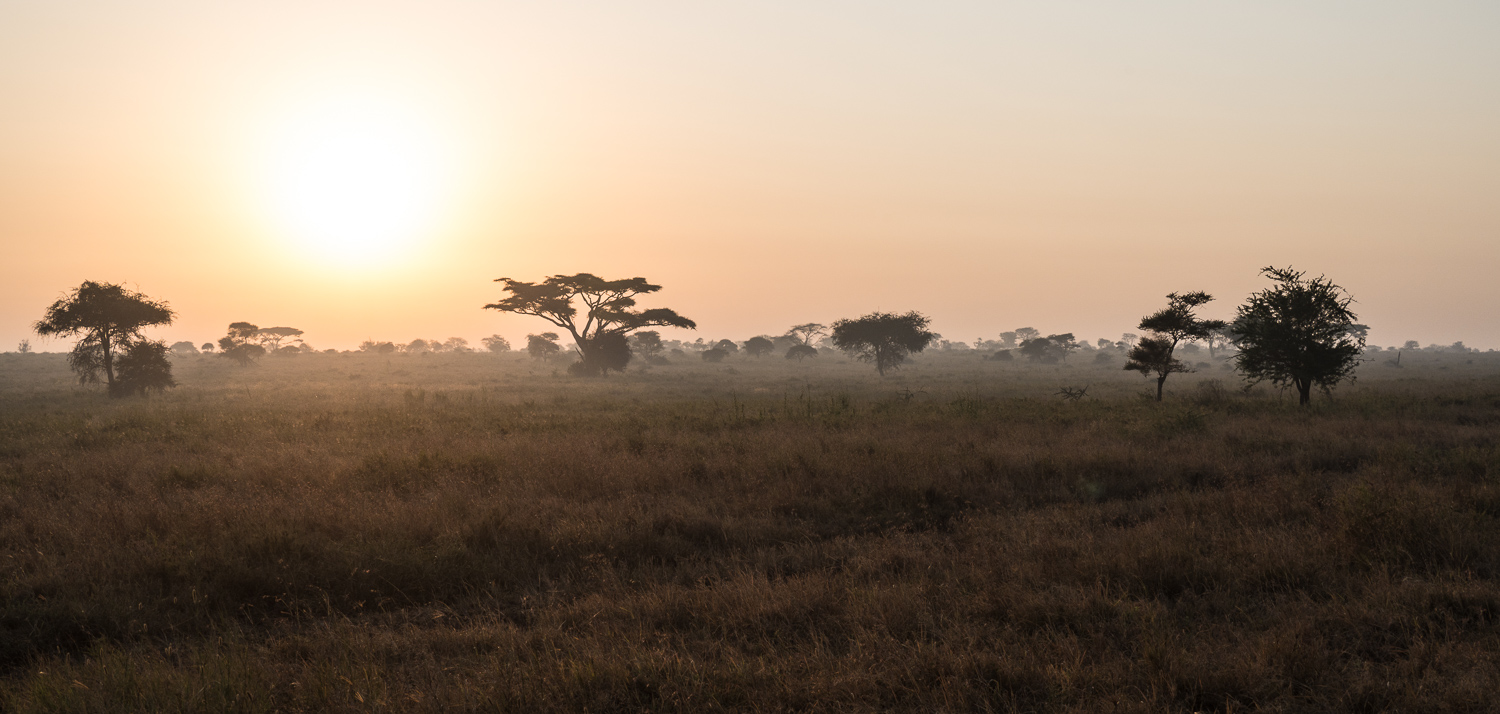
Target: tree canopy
column 542, row 346
column 883, row 338
column 1169, row 326
column 241, row 344
column 608, row 309
column 271, row 337
column 805, row 332
column 108, row 318
column 759, row 346
column 1047, row 350
column 1300, row 332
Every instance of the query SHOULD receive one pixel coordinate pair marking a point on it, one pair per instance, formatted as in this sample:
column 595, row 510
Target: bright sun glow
column 356, row 182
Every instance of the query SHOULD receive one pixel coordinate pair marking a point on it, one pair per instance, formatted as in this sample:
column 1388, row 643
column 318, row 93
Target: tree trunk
column 109, row 362
column 1161, row 380
column 1304, row 391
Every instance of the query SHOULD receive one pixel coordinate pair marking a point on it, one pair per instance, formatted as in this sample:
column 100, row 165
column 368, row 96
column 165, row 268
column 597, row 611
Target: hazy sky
column 366, row 169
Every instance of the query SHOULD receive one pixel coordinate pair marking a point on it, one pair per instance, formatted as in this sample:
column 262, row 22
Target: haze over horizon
column 366, row 170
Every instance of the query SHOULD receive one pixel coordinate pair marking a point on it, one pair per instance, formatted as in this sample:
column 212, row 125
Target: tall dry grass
column 467, row 532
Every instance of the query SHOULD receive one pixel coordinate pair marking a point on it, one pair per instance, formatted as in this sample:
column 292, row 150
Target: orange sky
column 1057, row 165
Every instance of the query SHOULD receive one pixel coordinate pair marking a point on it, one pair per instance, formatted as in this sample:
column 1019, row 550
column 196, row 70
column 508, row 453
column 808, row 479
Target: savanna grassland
column 482, row 532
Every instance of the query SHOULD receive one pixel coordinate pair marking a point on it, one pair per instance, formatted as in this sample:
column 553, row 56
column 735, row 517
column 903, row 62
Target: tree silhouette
column 240, row 345
column 1064, row 344
column 759, row 346
column 648, row 344
column 1299, row 332
column 1168, row 327
column 543, row 346
column 271, row 337
column 883, row 338
column 611, row 352
column 496, row 343
column 109, row 318
column 801, row 352
column 805, row 332
column 143, row 367
column 608, row 309
column 1048, row 350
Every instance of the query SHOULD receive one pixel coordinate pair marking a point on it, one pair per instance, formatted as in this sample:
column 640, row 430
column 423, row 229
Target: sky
column 366, row 170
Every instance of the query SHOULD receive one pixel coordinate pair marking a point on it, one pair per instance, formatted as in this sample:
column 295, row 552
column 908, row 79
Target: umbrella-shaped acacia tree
column 109, row 318
column 599, row 329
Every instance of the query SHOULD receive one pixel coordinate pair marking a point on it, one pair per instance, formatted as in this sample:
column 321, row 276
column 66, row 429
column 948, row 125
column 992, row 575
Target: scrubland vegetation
column 481, row 531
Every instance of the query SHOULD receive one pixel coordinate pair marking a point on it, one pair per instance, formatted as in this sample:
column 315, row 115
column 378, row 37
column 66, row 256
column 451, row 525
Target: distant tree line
column 1300, row 333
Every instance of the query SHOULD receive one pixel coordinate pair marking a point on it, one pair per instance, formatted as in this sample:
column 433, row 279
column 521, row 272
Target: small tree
column 207, row 347
column 801, row 352
column 805, row 333
column 272, row 337
column 543, row 347
column 1008, row 340
column 883, row 338
column 24, row 347
column 184, row 349
column 143, row 367
column 728, row 346
column 1041, row 350
column 1026, row 333
column 239, row 344
column 713, row 355
column 611, row 352
column 109, row 318
column 1218, row 339
column 648, row 345
column 1299, row 333
column 1064, row 344
column 496, row 344
column 1168, row 327
column 759, row 346
column 608, row 309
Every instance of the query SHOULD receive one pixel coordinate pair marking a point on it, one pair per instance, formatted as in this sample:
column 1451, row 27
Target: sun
column 356, row 181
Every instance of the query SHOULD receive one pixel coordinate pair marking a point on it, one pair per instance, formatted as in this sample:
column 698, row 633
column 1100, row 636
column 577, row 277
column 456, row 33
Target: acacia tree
column 542, row 346
column 1169, row 326
column 143, row 367
column 608, row 311
column 496, row 343
column 759, row 346
column 240, row 345
column 109, row 318
column 805, row 332
column 883, row 338
column 648, row 344
column 801, row 352
column 1050, row 349
column 271, row 337
column 1298, row 332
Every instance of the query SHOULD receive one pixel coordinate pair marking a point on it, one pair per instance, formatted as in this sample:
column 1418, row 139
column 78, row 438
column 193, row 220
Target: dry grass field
column 480, row 532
